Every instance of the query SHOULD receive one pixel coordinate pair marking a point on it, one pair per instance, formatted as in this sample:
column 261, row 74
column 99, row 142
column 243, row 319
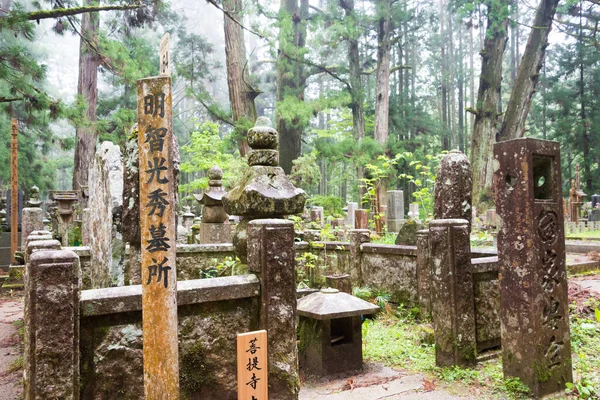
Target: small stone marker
column 252, row 366
column 534, row 308
column 14, row 184
column 158, row 240
column 395, row 210
column 361, row 219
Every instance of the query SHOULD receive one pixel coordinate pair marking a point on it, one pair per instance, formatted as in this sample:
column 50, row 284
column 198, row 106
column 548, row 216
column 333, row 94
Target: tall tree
column 291, row 80
column 241, row 92
column 515, row 118
column 488, row 96
column 87, row 91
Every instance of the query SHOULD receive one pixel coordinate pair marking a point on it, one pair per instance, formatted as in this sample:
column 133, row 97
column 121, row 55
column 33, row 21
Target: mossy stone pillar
column 534, row 304
column 452, row 295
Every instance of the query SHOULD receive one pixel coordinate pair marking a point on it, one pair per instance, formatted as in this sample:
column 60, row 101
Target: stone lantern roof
column 331, row 303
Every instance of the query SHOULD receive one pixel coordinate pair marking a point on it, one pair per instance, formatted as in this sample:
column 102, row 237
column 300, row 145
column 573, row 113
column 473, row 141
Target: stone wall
column 211, row 313
column 487, row 302
column 391, row 268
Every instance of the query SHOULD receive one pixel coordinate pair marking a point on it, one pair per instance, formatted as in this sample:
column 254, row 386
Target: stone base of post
column 271, row 255
column 52, row 289
column 452, row 297
column 215, row 233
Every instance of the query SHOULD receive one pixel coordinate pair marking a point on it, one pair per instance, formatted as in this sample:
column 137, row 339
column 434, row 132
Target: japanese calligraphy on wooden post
column 14, row 182
column 157, row 224
column 252, row 366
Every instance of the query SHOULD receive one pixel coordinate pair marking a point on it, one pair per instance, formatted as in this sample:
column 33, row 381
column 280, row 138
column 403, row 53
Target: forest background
column 364, row 93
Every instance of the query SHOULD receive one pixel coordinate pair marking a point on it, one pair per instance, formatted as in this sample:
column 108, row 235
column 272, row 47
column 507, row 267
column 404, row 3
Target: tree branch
column 63, row 12
column 231, row 17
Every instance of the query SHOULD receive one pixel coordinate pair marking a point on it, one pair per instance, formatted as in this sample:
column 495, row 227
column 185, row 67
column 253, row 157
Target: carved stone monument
column 534, row 309
column 395, row 210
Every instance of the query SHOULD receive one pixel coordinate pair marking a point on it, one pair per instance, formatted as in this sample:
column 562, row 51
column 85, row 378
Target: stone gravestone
column 395, row 210
column 106, row 242
column 158, row 238
column 534, row 307
column 452, row 296
column 9, row 211
column 131, row 208
column 350, row 214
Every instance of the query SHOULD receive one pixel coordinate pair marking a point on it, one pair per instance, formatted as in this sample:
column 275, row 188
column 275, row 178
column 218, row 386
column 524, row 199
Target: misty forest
column 358, row 90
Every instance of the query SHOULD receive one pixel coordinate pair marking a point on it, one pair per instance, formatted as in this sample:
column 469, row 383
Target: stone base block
column 215, row 233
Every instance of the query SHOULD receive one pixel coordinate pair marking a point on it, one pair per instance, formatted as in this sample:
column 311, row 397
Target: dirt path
column 377, row 382
column 11, row 310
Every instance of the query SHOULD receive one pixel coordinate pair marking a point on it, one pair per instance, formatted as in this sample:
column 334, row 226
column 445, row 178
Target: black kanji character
column 155, row 104
column 158, row 202
column 156, row 138
column 158, row 241
column 157, row 270
column 155, row 170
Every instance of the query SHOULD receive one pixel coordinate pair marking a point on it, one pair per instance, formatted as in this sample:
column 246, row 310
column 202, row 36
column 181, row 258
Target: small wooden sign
column 165, row 55
column 252, row 366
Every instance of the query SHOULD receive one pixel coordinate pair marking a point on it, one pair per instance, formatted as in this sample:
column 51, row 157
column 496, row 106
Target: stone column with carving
column 534, row 304
column 265, row 240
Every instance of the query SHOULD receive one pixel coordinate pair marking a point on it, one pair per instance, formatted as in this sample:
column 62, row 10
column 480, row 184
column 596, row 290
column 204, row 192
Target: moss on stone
column 195, row 371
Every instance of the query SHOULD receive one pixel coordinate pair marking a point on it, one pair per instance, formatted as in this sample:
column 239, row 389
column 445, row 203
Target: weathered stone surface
column 51, row 358
column 357, row 237
column 263, row 137
column 423, row 273
column 453, row 188
column 407, row 235
column 31, row 220
column 352, row 207
column 452, row 298
column 215, row 233
column 105, row 177
column 111, row 351
column 395, row 210
column 212, row 199
column 340, row 282
column 534, row 312
column 131, row 189
column 264, row 192
column 263, row 157
column 128, row 299
column 331, row 304
column 391, row 269
column 271, row 255
column 214, row 214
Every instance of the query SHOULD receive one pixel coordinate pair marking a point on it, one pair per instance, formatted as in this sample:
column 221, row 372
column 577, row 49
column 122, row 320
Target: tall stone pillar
column 452, row 297
column 453, row 188
column 352, row 207
column 271, row 256
column 32, row 218
column 534, row 306
column 52, row 290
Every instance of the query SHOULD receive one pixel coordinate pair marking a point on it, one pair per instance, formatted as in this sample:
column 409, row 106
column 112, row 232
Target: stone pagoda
column 213, row 228
column 264, row 191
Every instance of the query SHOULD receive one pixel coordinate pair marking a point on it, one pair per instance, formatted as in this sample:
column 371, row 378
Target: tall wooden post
column 157, row 224
column 14, row 191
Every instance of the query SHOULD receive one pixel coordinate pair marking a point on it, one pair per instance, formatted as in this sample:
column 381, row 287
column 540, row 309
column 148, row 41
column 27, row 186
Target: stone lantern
column 330, row 331
column 65, row 200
